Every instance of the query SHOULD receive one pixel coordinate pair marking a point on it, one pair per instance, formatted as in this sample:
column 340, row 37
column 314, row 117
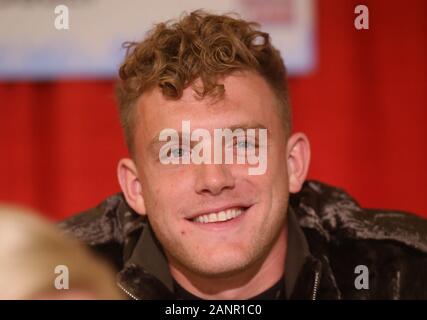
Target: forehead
column 247, row 98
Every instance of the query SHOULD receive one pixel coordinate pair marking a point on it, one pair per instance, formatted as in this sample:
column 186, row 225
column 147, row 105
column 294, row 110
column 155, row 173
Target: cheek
column 278, row 170
column 273, row 186
column 166, row 193
column 160, row 179
column 274, row 180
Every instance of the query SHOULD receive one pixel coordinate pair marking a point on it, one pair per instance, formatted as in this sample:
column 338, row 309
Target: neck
column 246, row 284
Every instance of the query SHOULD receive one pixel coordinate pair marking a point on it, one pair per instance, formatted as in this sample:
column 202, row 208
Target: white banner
column 32, row 46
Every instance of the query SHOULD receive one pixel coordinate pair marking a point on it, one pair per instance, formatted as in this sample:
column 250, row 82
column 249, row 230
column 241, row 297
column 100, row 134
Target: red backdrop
column 364, row 109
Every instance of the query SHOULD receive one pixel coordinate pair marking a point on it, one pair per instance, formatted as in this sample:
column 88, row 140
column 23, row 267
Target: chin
column 220, row 264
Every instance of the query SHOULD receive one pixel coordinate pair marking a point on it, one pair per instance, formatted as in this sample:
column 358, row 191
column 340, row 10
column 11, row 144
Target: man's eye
column 177, row 152
column 244, row 144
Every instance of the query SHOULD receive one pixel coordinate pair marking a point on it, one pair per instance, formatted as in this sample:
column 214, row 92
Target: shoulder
column 391, row 245
column 335, row 215
column 112, row 220
column 109, row 229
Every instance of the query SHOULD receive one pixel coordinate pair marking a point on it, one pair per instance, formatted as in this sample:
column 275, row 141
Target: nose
column 213, row 179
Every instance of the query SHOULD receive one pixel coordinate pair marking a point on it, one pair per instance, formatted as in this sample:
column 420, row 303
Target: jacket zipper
column 316, row 285
column 127, row 292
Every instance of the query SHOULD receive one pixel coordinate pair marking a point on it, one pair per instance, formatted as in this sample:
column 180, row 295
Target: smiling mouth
column 221, row 216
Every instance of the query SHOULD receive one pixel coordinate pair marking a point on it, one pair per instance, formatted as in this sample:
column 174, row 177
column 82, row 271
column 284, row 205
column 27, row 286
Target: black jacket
column 340, row 236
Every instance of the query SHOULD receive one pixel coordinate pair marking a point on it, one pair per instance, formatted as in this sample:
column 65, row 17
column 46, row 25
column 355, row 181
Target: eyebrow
column 243, row 126
column 246, row 126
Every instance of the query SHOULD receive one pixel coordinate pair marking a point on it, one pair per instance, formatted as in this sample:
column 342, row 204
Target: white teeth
column 219, row 216
column 213, row 217
column 222, row 216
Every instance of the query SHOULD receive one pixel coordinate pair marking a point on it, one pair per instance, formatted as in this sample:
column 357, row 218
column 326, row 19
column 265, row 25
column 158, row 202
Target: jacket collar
column 149, row 255
column 296, row 254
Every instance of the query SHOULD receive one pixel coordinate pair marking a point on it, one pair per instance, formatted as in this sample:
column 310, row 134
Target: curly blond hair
column 198, row 46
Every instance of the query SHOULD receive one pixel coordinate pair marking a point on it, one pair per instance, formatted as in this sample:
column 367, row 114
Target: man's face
column 175, row 194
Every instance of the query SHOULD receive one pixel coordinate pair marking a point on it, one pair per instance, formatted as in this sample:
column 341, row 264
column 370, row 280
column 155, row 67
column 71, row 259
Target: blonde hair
column 198, row 45
column 31, row 249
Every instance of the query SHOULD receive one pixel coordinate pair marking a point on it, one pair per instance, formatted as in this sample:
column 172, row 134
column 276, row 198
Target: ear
column 298, row 148
column 130, row 185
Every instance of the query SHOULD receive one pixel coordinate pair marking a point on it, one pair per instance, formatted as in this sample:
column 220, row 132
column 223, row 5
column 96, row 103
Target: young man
column 190, row 224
